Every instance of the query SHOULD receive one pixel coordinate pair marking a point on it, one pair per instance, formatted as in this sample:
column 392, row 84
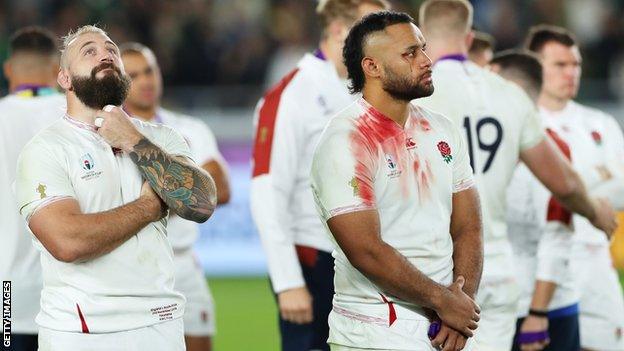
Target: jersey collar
column 79, row 124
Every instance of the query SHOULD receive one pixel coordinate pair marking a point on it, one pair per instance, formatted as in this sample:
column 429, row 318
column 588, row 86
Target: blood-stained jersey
column 364, row 160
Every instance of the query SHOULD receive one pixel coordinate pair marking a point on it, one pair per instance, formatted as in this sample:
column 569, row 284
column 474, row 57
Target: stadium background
column 217, row 57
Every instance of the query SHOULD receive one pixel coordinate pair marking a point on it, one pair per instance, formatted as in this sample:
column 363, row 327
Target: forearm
column 187, row 190
column 577, row 200
column 93, row 235
column 468, row 259
column 396, row 276
column 542, row 295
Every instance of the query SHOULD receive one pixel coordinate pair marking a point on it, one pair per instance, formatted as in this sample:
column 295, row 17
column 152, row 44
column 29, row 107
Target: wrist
column 539, row 313
column 153, row 208
column 132, row 142
column 438, row 298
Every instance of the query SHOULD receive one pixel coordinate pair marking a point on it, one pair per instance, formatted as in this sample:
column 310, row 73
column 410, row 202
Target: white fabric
column 183, row 233
column 167, row 336
column 468, row 94
column 281, row 200
column 601, row 308
column 130, row 287
column 20, row 119
column 199, row 312
column 542, row 249
column 364, row 160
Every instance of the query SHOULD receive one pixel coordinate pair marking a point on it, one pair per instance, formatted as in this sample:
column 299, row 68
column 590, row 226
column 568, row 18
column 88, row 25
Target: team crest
column 356, row 188
column 41, row 190
column 87, row 162
column 445, row 151
column 410, row 143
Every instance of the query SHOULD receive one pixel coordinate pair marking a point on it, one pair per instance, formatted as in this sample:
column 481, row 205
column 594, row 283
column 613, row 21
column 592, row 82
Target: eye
column 90, row 51
column 112, row 51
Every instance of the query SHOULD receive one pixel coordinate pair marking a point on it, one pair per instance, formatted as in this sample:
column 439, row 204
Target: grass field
column 246, row 315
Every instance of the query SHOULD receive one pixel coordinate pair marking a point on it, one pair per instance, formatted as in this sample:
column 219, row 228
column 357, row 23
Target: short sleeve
column 462, row 172
column 206, row 149
column 168, row 139
column 41, row 178
column 342, row 175
column 532, row 132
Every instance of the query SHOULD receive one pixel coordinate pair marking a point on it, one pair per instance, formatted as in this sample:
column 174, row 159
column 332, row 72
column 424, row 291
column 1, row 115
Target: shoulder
column 49, row 140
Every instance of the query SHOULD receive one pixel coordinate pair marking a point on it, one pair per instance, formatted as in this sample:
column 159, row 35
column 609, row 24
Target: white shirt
column 365, row 160
column 498, row 121
column 182, row 233
column 20, row 119
column 596, row 143
column 130, row 287
column 289, row 120
column 542, row 237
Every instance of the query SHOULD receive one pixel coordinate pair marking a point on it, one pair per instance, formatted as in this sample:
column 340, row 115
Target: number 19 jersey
column 498, row 121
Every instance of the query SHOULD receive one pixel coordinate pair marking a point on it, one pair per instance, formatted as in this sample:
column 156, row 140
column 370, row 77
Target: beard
column 403, row 87
column 112, row 89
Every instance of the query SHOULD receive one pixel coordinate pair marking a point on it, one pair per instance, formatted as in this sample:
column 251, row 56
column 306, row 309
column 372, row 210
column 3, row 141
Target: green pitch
column 246, row 314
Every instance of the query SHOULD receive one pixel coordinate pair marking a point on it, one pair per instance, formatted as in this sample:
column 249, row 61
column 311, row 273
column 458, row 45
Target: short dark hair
column 34, row 40
column 523, row 64
column 353, row 51
column 482, row 41
column 542, row 34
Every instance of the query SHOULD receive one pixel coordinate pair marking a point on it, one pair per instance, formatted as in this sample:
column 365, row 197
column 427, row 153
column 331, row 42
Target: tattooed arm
column 188, row 190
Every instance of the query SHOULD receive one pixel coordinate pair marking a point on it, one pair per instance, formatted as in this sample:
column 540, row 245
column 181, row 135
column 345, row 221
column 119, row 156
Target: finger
column 460, row 281
column 438, row 341
column 461, row 343
column 449, row 343
column 109, row 108
column 476, row 307
column 476, row 317
column 467, row 332
column 473, row 325
column 98, row 121
column 308, row 315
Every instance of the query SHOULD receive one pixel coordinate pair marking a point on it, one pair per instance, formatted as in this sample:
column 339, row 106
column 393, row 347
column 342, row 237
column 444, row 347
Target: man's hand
column 449, row 339
column 534, row 324
column 295, row 305
column 158, row 209
column 458, row 310
column 605, row 218
column 115, row 127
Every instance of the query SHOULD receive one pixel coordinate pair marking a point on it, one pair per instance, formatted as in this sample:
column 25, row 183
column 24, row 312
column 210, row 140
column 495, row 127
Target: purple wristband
column 528, row 338
column 434, row 329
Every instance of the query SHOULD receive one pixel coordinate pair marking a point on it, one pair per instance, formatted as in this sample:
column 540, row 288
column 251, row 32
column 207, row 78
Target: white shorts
column 199, row 317
column 602, row 301
column 167, row 336
column 498, row 298
column 405, row 334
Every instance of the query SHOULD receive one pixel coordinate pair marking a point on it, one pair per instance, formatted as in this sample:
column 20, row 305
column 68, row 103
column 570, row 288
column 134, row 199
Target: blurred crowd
column 221, row 43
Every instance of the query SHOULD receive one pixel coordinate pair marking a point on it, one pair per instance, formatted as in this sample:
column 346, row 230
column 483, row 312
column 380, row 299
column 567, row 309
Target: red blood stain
column 372, row 130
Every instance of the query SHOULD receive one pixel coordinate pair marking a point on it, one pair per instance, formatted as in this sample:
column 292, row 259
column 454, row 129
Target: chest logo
column 597, row 137
column 41, row 190
column 356, row 188
column 392, row 166
column 445, row 151
column 87, row 162
column 410, row 143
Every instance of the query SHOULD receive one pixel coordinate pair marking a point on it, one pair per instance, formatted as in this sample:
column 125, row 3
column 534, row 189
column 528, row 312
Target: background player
column 143, row 102
column 482, row 49
column 289, row 120
column 541, row 234
column 107, row 265
column 500, row 127
column 393, row 183
column 597, row 149
column 33, row 103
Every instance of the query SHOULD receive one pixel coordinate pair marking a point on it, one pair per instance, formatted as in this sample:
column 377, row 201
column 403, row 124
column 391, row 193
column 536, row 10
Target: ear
column 469, row 39
column 371, row 67
column 63, row 79
column 7, row 69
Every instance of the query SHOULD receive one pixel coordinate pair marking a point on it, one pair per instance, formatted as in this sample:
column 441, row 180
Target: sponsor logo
column 392, row 166
column 445, row 151
column 88, row 165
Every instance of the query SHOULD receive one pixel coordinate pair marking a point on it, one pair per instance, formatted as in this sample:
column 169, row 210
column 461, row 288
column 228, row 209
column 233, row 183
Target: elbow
column 199, row 215
column 65, row 253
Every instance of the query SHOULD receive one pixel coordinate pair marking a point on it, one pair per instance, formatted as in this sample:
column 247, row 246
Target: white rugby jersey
column 289, row 120
column 182, row 233
column 130, row 287
column 542, row 237
column 364, row 160
column 498, row 121
column 20, row 119
column 597, row 144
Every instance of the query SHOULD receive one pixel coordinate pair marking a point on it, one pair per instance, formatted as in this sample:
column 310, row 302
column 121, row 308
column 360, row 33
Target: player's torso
column 491, row 121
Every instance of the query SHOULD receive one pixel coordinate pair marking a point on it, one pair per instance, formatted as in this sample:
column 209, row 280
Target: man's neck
column 79, row 111
column 437, row 49
column 397, row 110
column 333, row 54
column 146, row 114
column 552, row 103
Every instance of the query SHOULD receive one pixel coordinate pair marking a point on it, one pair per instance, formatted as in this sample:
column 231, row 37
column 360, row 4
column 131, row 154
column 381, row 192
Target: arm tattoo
column 188, row 191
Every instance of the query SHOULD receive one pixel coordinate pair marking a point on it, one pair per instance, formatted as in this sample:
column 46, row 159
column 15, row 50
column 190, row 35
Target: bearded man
column 94, row 188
